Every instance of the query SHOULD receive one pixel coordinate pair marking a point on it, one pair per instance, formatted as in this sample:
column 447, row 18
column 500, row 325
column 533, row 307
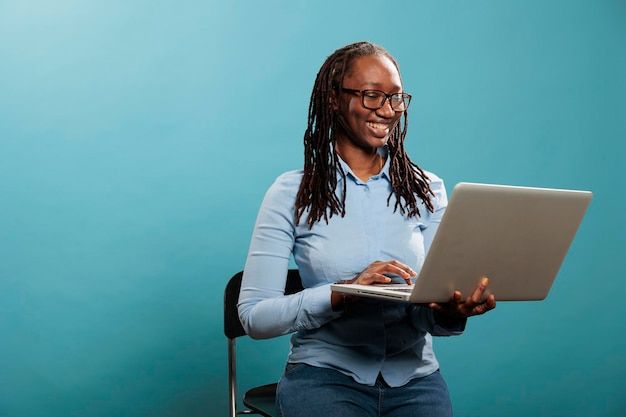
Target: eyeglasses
column 375, row 99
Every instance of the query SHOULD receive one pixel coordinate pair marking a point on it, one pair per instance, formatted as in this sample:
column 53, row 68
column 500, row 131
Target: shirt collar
column 384, row 172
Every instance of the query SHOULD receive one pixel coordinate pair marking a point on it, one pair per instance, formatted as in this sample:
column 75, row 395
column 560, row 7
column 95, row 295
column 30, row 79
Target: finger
column 477, row 295
column 450, row 305
column 482, row 308
column 435, row 306
column 391, row 268
column 395, row 270
column 404, row 267
column 478, row 310
column 373, row 278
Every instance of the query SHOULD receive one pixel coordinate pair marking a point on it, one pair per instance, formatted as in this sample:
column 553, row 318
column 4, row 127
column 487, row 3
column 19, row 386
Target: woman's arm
column 264, row 310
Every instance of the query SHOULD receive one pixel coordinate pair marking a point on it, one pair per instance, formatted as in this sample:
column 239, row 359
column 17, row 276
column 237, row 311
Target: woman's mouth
column 379, row 129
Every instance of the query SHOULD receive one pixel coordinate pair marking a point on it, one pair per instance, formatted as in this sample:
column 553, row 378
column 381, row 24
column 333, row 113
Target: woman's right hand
column 374, row 274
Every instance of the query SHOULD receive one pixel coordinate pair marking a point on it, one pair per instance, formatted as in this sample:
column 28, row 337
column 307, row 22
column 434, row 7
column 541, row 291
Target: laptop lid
column 516, row 236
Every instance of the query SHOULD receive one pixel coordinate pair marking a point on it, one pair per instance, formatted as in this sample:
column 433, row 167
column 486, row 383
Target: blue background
column 137, row 139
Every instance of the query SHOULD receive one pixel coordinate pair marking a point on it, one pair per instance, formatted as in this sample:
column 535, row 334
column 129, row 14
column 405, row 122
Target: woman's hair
column 318, row 188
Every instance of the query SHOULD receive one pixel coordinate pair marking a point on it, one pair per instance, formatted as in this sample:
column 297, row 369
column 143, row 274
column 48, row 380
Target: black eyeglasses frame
column 406, row 98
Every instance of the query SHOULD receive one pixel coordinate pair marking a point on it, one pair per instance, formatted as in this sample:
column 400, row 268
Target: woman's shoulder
column 288, row 181
column 433, row 179
column 290, row 178
column 285, row 186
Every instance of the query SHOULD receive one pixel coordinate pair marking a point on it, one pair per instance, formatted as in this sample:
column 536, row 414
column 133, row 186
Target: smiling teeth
column 379, row 126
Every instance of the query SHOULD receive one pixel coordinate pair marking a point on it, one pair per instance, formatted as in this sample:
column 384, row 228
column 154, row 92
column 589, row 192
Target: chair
column 258, row 400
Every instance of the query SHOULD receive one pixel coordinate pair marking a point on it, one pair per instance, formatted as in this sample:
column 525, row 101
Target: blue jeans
column 308, row 391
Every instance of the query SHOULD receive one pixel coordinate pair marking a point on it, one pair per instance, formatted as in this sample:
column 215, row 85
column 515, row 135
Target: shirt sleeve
column 423, row 317
column 426, row 319
column 264, row 310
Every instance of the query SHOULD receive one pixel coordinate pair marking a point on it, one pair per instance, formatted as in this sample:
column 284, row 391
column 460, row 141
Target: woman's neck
column 363, row 163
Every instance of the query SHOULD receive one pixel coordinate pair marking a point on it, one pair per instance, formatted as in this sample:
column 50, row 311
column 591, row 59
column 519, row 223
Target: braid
column 407, row 179
column 318, row 188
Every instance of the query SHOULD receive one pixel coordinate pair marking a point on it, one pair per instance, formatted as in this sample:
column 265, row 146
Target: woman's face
column 370, row 128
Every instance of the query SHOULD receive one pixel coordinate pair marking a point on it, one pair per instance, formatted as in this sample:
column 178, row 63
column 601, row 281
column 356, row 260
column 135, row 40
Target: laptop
column 516, row 236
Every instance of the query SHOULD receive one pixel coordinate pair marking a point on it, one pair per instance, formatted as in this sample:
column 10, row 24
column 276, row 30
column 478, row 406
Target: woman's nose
column 386, row 111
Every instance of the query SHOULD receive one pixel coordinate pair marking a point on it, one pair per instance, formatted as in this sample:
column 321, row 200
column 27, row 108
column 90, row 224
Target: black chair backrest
column 232, row 325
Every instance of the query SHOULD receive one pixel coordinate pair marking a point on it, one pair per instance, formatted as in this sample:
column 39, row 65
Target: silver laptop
column 516, row 236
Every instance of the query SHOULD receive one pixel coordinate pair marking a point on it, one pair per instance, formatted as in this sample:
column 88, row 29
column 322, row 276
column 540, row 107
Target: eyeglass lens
column 376, row 99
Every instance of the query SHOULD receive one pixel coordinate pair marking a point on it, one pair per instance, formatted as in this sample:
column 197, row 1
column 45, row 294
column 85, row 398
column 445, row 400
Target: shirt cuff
column 447, row 326
column 317, row 308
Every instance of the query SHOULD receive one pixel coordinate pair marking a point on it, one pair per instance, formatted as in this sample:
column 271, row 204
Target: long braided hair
column 319, row 184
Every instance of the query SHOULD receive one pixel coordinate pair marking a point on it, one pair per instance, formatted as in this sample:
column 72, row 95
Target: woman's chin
column 380, row 142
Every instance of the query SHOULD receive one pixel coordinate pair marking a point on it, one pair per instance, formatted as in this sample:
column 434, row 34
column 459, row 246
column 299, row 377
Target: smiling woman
column 334, row 124
column 360, row 211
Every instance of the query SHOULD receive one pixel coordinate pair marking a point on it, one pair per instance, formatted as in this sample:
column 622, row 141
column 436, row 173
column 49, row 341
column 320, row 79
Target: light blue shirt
column 371, row 336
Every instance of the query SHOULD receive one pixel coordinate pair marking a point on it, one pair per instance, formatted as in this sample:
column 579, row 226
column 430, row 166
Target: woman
column 359, row 212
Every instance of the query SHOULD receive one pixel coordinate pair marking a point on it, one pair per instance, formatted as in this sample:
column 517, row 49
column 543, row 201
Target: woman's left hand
column 472, row 306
